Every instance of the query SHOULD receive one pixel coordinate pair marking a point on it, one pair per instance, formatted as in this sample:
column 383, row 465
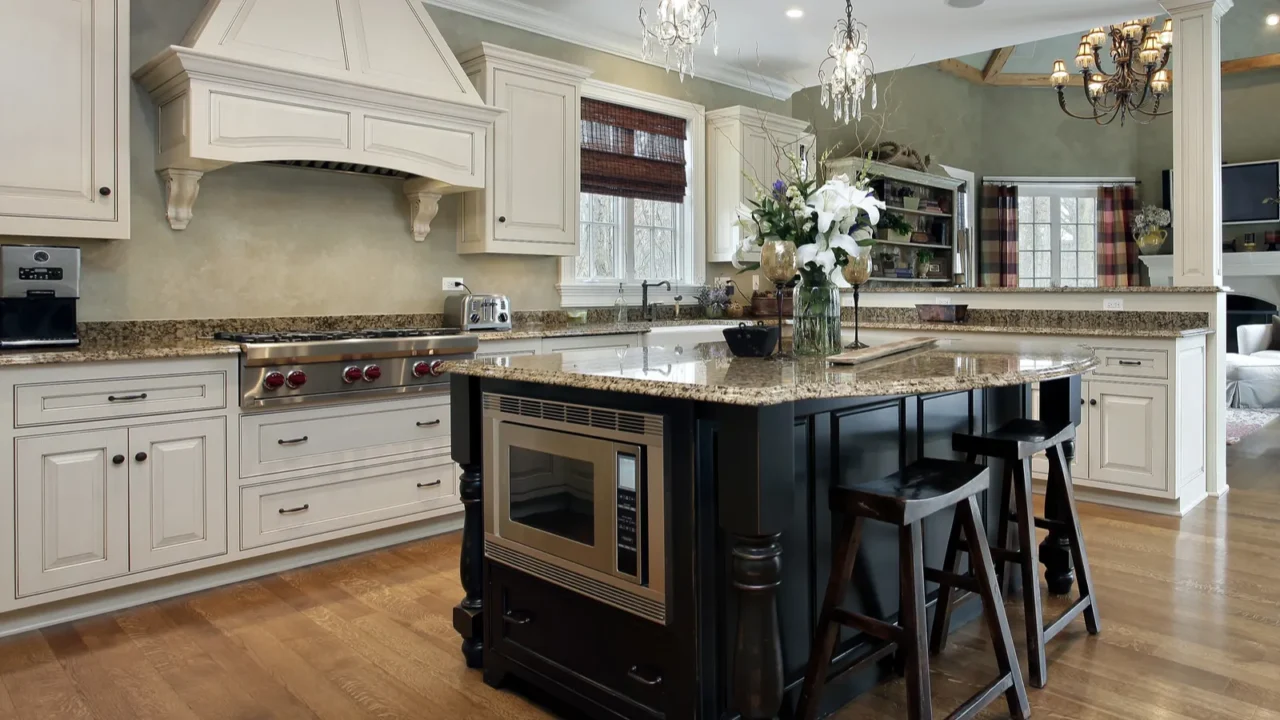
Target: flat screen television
column 1245, row 189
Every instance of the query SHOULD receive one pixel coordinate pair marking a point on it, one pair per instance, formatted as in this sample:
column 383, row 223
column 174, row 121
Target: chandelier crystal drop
column 1141, row 78
column 676, row 29
column 848, row 71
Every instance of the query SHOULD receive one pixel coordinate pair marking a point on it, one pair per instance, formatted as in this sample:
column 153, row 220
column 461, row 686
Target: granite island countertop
column 709, row 373
column 122, row 348
column 1050, row 330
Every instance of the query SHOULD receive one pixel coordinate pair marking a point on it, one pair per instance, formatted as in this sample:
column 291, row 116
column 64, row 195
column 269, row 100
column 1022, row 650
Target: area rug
column 1243, row 423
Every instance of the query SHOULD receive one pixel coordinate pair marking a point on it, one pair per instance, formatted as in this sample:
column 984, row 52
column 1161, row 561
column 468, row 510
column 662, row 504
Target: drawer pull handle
column 126, row 398
column 634, row 674
column 300, row 508
column 430, row 484
column 295, row 441
column 517, row 617
column 429, row 423
column 1131, row 363
column 140, row 457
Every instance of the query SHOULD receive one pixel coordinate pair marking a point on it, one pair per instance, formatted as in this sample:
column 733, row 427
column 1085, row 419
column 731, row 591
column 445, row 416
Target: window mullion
column 1055, row 239
column 627, row 239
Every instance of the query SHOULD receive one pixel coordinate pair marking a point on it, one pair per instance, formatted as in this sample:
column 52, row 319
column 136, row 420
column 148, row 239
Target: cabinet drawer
column 1152, row 364
column 305, row 507
column 62, row 402
column 300, row 439
column 531, row 619
column 589, row 342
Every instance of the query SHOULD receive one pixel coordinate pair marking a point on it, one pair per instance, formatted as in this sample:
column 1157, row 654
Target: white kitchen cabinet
column 72, row 509
column 1128, row 428
column 65, row 118
column 509, row 348
column 745, row 144
column 177, row 493
column 530, row 202
column 591, row 342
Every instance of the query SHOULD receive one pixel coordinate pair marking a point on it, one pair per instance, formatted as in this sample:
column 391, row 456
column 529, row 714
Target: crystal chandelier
column 848, row 69
column 1141, row 78
column 677, row 28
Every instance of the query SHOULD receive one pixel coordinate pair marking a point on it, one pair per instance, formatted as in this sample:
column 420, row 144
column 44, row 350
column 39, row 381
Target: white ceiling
column 764, row 51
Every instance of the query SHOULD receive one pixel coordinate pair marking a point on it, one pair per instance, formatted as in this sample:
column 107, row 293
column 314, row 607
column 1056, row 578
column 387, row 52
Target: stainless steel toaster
column 477, row 312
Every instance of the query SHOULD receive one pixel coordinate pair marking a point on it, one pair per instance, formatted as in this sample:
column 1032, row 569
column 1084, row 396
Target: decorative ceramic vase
column 1151, row 241
column 713, row 312
column 911, row 203
column 817, row 319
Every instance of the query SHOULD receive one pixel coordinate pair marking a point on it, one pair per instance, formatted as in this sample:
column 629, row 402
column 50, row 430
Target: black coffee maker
column 39, row 287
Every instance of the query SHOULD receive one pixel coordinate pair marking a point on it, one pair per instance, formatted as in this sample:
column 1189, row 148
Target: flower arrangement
column 1151, row 218
column 713, row 301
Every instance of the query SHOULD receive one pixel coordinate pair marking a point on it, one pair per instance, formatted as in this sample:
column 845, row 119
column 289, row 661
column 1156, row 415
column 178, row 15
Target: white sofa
column 1253, row 373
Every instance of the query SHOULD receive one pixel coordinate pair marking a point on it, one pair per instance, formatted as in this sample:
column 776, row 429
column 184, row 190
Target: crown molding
column 517, row 14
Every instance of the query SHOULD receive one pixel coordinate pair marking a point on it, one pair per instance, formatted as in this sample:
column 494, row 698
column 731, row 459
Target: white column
column 1197, row 197
column 1197, row 140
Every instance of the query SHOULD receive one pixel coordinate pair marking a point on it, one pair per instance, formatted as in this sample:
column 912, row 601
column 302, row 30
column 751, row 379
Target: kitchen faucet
column 645, row 309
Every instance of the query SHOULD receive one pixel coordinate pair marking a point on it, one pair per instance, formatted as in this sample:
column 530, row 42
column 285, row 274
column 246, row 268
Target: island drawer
column 1122, row 362
column 304, row 507
column 617, row 659
column 109, row 398
column 300, row 439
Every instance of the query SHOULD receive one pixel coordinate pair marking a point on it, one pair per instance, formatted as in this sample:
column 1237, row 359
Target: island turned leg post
column 465, row 415
column 755, row 475
column 1060, row 401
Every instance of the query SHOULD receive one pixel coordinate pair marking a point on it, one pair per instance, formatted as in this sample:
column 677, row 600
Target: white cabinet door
column 63, row 137
column 72, row 509
column 1128, row 435
column 177, row 492
column 536, row 183
column 590, row 342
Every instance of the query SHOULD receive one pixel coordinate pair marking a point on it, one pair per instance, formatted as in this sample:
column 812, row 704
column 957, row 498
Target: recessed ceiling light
column 797, row 13
column 965, row 4
column 1273, row 19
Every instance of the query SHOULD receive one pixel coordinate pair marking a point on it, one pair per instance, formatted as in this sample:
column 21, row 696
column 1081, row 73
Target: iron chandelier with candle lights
column 1141, row 78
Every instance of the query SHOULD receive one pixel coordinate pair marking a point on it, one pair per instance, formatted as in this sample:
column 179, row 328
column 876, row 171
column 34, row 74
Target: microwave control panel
column 628, row 531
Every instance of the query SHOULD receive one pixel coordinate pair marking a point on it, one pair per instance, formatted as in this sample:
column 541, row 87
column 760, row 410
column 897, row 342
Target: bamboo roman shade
column 632, row 153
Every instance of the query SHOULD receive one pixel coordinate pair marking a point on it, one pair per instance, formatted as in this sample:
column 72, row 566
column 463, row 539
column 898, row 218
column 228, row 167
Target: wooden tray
column 879, row 352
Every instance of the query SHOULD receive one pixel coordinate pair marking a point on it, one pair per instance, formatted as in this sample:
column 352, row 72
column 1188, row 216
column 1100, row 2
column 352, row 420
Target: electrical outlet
column 452, row 284
column 1113, row 303
column 941, row 299
column 755, row 282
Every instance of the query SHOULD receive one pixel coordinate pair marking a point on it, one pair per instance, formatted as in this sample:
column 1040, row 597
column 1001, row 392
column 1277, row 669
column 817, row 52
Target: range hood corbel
column 364, row 86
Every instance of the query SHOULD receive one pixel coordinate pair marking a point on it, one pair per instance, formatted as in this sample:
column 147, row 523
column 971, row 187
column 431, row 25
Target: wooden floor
column 1190, row 612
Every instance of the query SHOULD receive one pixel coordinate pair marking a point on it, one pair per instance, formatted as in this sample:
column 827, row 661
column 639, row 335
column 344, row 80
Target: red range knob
column 436, row 368
column 420, row 368
column 273, row 381
column 352, row 374
column 296, row 379
column 372, row 372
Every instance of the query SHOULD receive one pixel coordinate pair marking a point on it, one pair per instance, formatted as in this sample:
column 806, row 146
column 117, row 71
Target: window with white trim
column 1057, row 235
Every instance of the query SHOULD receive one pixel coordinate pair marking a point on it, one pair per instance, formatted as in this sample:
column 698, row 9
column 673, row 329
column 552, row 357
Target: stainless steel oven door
column 558, row 493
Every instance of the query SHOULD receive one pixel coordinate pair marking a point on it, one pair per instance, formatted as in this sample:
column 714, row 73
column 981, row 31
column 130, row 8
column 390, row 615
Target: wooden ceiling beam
column 961, row 69
column 995, row 64
column 1031, row 80
column 1261, row 62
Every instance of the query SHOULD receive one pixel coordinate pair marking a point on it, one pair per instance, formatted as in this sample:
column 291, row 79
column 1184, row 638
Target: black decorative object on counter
column 755, row 341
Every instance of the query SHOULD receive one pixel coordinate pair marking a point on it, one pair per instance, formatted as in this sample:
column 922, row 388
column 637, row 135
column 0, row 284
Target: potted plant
column 1149, row 229
column 896, row 228
column 923, row 259
column 908, row 199
column 713, row 302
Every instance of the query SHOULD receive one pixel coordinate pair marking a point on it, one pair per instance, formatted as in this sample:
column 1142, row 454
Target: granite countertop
column 1051, row 330
column 124, row 348
column 603, row 328
column 943, row 289
column 709, row 373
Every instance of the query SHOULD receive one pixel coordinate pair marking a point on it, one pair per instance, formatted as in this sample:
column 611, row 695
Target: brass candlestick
column 778, row 263
column 856, row 272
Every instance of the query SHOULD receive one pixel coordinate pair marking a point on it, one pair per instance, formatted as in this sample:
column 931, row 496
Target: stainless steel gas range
column 294, row 368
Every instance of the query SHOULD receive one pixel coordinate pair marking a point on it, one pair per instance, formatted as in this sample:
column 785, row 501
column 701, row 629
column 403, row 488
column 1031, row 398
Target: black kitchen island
column 741, row 453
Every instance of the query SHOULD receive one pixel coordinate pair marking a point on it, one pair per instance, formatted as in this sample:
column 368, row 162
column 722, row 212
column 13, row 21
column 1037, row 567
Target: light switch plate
column 452, row 284
column 755, row 282
column 1113, row 303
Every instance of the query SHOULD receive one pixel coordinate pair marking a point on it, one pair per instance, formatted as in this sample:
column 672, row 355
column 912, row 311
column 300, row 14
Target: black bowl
column 755, row 341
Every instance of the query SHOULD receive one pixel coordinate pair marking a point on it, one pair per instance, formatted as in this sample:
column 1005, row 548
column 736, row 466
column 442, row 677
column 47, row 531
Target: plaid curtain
column 998, row 250
column 1117, row 250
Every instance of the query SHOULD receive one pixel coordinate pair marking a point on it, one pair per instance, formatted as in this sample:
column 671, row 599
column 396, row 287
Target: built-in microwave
column 575, row 495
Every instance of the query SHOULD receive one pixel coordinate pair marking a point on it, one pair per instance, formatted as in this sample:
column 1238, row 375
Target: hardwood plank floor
column 1190, row 611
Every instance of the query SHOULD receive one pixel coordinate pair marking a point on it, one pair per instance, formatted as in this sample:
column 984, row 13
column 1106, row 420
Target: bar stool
column 905, row 499
column 1015, row 444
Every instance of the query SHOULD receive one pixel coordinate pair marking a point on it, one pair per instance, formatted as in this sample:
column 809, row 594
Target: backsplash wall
column 273, row 241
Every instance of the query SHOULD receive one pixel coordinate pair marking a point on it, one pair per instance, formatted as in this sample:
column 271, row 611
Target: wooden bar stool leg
column 1067, row 506
column 942, row 612
column 837, row 587
column 1032, row 606
column 914, row 626
column 1002, row 527
column 993, row 610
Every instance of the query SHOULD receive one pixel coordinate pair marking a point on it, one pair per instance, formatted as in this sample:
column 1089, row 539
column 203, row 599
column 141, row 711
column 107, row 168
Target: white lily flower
column 837, row 278
column 745, row 246
column 863, row 234
column 848, row 244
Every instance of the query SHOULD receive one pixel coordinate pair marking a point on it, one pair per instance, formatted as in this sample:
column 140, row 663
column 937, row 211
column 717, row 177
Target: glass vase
column 817, row 319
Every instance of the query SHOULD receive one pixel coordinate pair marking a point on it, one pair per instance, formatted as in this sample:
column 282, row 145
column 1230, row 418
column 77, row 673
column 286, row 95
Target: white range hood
column 364, row 86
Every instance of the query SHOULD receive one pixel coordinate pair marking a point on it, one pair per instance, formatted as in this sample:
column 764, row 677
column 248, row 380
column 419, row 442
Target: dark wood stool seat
column 905, row 499
column 1015, row 444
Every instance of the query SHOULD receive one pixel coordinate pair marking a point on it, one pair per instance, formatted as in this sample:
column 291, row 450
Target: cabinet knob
column 502, row 218
column 104, row 191
column 118, row 460
column 1093, row 402
column 140, row 457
